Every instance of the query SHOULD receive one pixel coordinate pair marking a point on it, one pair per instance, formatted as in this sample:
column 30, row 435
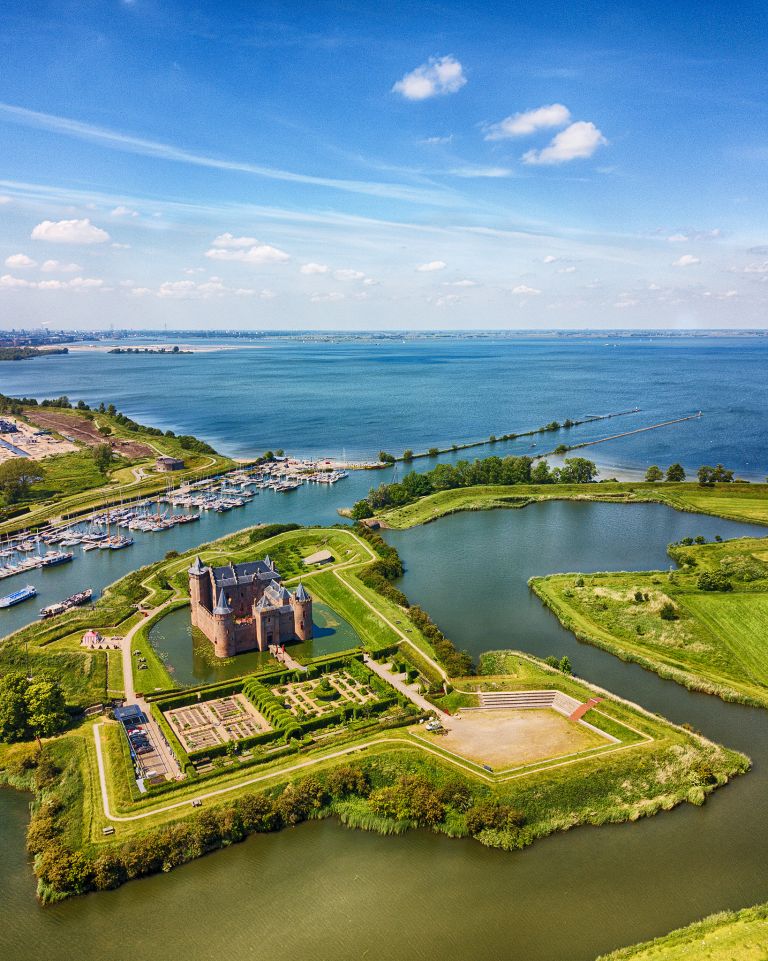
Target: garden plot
column 328, row 693
column 209, row 723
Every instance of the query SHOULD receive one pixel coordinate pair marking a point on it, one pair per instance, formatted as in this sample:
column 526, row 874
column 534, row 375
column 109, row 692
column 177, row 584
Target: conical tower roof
column 198, row 567
column 222, row 607
column 301, row 593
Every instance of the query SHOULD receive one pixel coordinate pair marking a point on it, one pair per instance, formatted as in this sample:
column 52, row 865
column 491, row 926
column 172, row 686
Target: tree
column 706, row 476
column 13, row 708
column 33, row 707
column 653, row 474
column 16, row 476
column 578, row 470
column 386, row 458
column 433, row 452
column 408, row 455
column 565, row 664
column 279, row 452
column 102, row 457
column 46, row 714
column 675, row 474
column 722, row 476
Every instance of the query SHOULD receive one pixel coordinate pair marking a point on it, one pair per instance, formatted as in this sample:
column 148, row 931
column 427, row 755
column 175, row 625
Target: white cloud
column 228, row 240
column 687, row 260
column 434, row 141
column 20, row 260
column 258, row 254
column 4, row 199
column 761, row 268
column 432, row 265
column 578, row 141
column 549, row 259
column 333, row 297
column 57, row 267
column 528, row 122
column 76, row 284
column 523, row 291
column 447, row 300
column 9, row 281
column 347, row 274
column 440, row 75
column 313, row 268
column 460, row 283
column 191, row 271
column 480, row 172
column 121, row 211
column 70, row 232
column 677, row 239
column 121, row 246
column 626, row 302
column 140, row 292
column 370, row 282
column 566, row 270
column 177, row 289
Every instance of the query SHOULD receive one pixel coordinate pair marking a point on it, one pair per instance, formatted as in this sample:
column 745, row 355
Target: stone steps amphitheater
column 562, row 703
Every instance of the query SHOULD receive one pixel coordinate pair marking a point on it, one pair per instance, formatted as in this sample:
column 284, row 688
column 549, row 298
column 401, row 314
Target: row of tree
column 707, row 476
column 489, row 470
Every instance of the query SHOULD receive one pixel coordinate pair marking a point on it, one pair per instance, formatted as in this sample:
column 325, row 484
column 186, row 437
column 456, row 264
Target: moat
column 570, row 895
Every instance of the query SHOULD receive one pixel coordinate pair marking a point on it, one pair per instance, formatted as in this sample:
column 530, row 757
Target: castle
column 244, row 607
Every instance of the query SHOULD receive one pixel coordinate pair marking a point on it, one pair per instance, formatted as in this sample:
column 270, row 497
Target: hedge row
column 272, row 708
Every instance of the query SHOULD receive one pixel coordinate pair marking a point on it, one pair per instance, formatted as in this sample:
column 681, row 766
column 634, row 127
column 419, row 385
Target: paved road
column 158, row 741
column 409, row 690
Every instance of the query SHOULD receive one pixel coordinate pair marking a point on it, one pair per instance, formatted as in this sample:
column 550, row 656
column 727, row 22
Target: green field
column 716, row 641
column 740, row 501
column 728, row 936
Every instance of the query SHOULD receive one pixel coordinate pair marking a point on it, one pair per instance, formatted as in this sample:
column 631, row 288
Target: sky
column 361, row 165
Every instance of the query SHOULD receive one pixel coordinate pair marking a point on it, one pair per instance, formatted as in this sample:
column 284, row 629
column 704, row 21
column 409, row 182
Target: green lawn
column 716, row 642
column 729, row 936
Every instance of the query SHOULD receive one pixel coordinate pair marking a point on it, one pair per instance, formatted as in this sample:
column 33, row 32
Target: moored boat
column 10, row 600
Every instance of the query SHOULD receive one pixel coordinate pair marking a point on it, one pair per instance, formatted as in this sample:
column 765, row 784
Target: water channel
column 322, row 892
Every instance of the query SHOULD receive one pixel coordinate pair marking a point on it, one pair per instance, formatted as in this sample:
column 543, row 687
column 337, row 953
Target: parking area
column 149, row 754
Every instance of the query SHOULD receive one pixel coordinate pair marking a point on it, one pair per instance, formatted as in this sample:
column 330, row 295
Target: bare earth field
column 515, row 737
column 86, row 432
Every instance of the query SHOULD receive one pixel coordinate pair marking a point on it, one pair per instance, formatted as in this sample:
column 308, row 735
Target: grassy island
column 702, row 625
column 522, row 749
column 736, row 501
column 726, row 936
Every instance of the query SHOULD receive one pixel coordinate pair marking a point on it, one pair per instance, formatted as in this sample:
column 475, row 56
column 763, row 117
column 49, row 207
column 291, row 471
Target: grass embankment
column 710, row 640
column 727, row 936
column 74, row 485
column 739, row 501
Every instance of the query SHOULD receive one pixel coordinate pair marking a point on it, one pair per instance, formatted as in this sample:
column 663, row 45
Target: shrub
column 410, row 798
column 714, row 581
column 494, row 815
column 668, row 612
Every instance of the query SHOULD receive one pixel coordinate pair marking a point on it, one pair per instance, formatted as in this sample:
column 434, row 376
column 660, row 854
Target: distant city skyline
column 360, row 166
